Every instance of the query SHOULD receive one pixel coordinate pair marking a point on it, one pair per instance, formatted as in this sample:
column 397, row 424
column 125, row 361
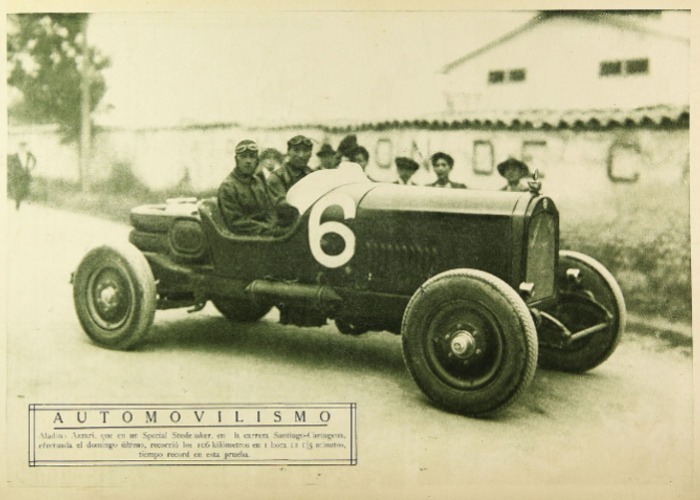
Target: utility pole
column 85, row 125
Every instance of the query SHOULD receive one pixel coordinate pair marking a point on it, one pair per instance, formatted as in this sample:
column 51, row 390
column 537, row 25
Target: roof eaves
column 485, row 48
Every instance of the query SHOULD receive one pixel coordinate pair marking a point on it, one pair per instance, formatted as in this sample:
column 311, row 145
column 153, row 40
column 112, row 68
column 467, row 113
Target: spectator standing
column 514, row 171
column 346, row 146
column 405, row 167
column 328, row 157
column 442, row 165
column 19, row 173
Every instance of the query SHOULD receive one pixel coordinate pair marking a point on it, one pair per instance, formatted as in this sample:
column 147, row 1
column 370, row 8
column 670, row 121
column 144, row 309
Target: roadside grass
column 643, row 239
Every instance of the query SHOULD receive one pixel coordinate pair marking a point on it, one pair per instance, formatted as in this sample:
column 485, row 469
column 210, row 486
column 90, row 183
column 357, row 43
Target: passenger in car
column 295, row 168
column 270, row 160
column 405, row 167
column 442, row 165
column 246, row 202
column 514, row 171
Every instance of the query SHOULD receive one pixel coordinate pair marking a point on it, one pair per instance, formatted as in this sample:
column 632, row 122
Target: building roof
column 661, row 116
column 638, row 21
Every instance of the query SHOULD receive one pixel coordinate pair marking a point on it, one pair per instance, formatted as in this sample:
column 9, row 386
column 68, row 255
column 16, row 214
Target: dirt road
column 626, row 426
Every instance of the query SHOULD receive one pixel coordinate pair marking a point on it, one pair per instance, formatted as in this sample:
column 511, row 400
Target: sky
column 282, row 67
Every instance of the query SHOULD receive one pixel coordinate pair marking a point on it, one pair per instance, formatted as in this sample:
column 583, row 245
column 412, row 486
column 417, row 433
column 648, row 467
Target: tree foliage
column 45, row 58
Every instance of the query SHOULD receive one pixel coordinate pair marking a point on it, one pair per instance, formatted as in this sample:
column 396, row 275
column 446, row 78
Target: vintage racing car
column 473, row 281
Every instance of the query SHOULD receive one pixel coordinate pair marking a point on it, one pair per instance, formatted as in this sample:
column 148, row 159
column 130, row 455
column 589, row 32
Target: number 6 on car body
column 318, row 229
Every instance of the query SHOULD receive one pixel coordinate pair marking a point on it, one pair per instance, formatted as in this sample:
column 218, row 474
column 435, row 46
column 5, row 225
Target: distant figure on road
column 514, row 171
column 19, row 173
column 442, row 165
column 405, row 167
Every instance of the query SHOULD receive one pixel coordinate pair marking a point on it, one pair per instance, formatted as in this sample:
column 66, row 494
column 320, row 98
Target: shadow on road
column 315, row 348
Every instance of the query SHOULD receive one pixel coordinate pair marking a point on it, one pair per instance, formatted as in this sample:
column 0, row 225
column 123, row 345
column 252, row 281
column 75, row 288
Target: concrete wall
column 574, row 163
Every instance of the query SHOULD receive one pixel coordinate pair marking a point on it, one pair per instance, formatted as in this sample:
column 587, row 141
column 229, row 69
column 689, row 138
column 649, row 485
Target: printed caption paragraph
column 209, row 434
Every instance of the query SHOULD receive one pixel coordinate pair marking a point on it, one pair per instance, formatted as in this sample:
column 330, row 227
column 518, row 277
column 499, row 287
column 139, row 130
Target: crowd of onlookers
column 252, row 198
column 349, row 150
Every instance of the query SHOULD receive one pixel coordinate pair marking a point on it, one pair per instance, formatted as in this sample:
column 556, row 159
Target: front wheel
column 589, row 296
column 469, row 342
column 115, row 295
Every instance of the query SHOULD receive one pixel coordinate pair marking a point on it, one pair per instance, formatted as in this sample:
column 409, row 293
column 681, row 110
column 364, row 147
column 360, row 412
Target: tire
column 240, row 310
column 596, row 282
column 469, row 342
column 114, row 294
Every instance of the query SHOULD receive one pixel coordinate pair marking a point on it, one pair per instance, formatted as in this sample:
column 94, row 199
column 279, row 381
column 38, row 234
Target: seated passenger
column 246, row 203
column 442, row 165
column 294, row 169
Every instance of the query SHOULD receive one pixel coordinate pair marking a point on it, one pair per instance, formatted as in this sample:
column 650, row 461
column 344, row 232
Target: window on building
column 497, row 76
column 511, row 75
column 482, row 158
column 624, row 160
column 516, row 75
column 634, row 66
column 610, row 68
column 621, row 68
column 384, row 153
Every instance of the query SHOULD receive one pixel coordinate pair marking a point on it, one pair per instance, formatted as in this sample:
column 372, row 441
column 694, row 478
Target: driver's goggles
column 304, row 141
column 246, row 147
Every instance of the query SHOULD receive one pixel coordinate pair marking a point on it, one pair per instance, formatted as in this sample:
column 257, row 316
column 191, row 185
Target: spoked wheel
column 590, row 300
column 115, row 295
column 469, row 342
column 240, row 310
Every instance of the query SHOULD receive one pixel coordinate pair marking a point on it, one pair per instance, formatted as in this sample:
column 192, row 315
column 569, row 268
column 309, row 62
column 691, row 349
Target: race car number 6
column 318, row 230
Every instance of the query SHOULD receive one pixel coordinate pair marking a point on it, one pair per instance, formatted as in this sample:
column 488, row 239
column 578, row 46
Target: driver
column 246, row 202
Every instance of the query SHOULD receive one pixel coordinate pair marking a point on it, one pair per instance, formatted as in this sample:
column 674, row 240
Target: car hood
column 430, row 199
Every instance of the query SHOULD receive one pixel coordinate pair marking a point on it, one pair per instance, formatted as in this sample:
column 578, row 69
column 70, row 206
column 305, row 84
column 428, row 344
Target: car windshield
column 304, row 193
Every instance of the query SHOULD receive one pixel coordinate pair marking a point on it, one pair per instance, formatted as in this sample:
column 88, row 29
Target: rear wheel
column 589, row 296
column 240, row 310
column 115, row 295
column 469, row 342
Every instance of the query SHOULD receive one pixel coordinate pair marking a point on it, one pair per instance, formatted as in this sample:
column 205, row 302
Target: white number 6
column 317, row 230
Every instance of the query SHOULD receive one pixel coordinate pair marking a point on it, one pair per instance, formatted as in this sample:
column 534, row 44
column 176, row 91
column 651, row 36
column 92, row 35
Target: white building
column 563, row 60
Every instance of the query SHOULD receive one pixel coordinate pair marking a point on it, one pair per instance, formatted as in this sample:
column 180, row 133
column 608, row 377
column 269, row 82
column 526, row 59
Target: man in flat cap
column 246, row 202
column 295, row 168
column 405, row 167
column 328, row 157
column 514, row 171
column 442, row 165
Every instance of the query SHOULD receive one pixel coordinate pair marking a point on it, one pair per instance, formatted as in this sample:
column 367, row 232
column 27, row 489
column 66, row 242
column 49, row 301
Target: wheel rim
column 109, row 298
column 464, row 344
